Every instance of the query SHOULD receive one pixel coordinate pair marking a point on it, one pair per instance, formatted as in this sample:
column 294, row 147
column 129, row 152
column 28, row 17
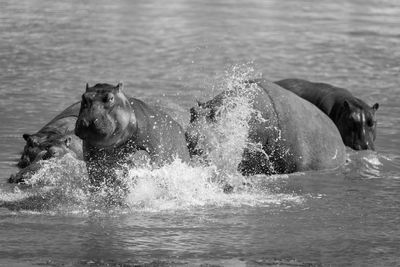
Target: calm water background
column 171, row 53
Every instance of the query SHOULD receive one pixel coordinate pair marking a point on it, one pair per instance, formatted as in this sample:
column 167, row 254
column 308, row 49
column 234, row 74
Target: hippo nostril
column 96, row 123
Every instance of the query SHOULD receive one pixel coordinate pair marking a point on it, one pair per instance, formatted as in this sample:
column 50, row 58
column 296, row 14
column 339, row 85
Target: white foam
column 180, row 186
column 62, row 186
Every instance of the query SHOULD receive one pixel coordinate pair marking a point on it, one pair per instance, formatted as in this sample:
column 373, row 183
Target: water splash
column 224, row 140
column 179, row 186
column 59, row 184
column 232, row 127
column 365, row 164
column 62, row 185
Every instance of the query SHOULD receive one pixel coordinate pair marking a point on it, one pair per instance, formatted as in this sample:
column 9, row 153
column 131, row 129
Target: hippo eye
column 108, row 98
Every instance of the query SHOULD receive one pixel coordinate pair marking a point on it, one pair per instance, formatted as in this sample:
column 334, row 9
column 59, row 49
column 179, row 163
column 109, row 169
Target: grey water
column 171, row 53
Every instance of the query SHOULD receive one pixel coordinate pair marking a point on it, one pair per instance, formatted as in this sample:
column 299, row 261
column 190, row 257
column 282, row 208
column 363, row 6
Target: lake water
column 171, row 53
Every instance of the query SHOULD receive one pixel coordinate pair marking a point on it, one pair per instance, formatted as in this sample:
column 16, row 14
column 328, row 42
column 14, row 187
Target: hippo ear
column 26, row 137
column 87, row 86
column 119, row 87
column 375, row 106
column 31, row 139
column 68, row 141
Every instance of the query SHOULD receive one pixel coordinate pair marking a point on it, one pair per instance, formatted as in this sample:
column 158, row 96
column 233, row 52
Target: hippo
column 291, row 134
column 59, row 127
column 353, row 117
column 56, row 146
column 116, row 129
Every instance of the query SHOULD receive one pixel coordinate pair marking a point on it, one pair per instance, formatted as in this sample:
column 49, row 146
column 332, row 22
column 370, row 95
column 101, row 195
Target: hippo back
column 322, row 95
column 312, row 140
column 285, row 133
column 159, row 133
column 65, row 121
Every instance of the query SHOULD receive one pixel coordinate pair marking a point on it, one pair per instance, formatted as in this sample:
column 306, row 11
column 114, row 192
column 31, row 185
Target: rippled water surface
column 171, row 53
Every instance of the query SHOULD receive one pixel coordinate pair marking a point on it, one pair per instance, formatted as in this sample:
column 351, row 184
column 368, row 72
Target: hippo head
column 31, row 149
column 57, row 147
column 54, row 147
column 358, row 125
column 105, row 116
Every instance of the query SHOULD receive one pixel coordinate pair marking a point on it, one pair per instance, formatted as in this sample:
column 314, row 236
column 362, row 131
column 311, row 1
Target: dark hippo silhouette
column 56, row 131
column 292, row 133
column 353, row 117
column 56, row 146
column 117, row 130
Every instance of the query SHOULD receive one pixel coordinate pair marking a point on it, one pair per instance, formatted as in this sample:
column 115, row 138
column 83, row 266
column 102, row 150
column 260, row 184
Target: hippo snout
column 359, row 147
column 364, row 146
column 83, row 126
column 92, row 128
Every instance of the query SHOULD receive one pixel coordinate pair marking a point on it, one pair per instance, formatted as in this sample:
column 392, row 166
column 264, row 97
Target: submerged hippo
column 56, row 131
column 56, row 146
column 291, row 133
column 353, row 117
column 117, row 130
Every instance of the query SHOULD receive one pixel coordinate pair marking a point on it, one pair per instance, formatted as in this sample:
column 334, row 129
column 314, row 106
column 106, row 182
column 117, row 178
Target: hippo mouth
column 364, row 146
column 91, row 133
column 95, row 130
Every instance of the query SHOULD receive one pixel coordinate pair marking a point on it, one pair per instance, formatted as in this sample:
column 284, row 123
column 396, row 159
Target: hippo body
column 353, row 117
column 51, row 135
column 294, row 135
column 116, row 129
